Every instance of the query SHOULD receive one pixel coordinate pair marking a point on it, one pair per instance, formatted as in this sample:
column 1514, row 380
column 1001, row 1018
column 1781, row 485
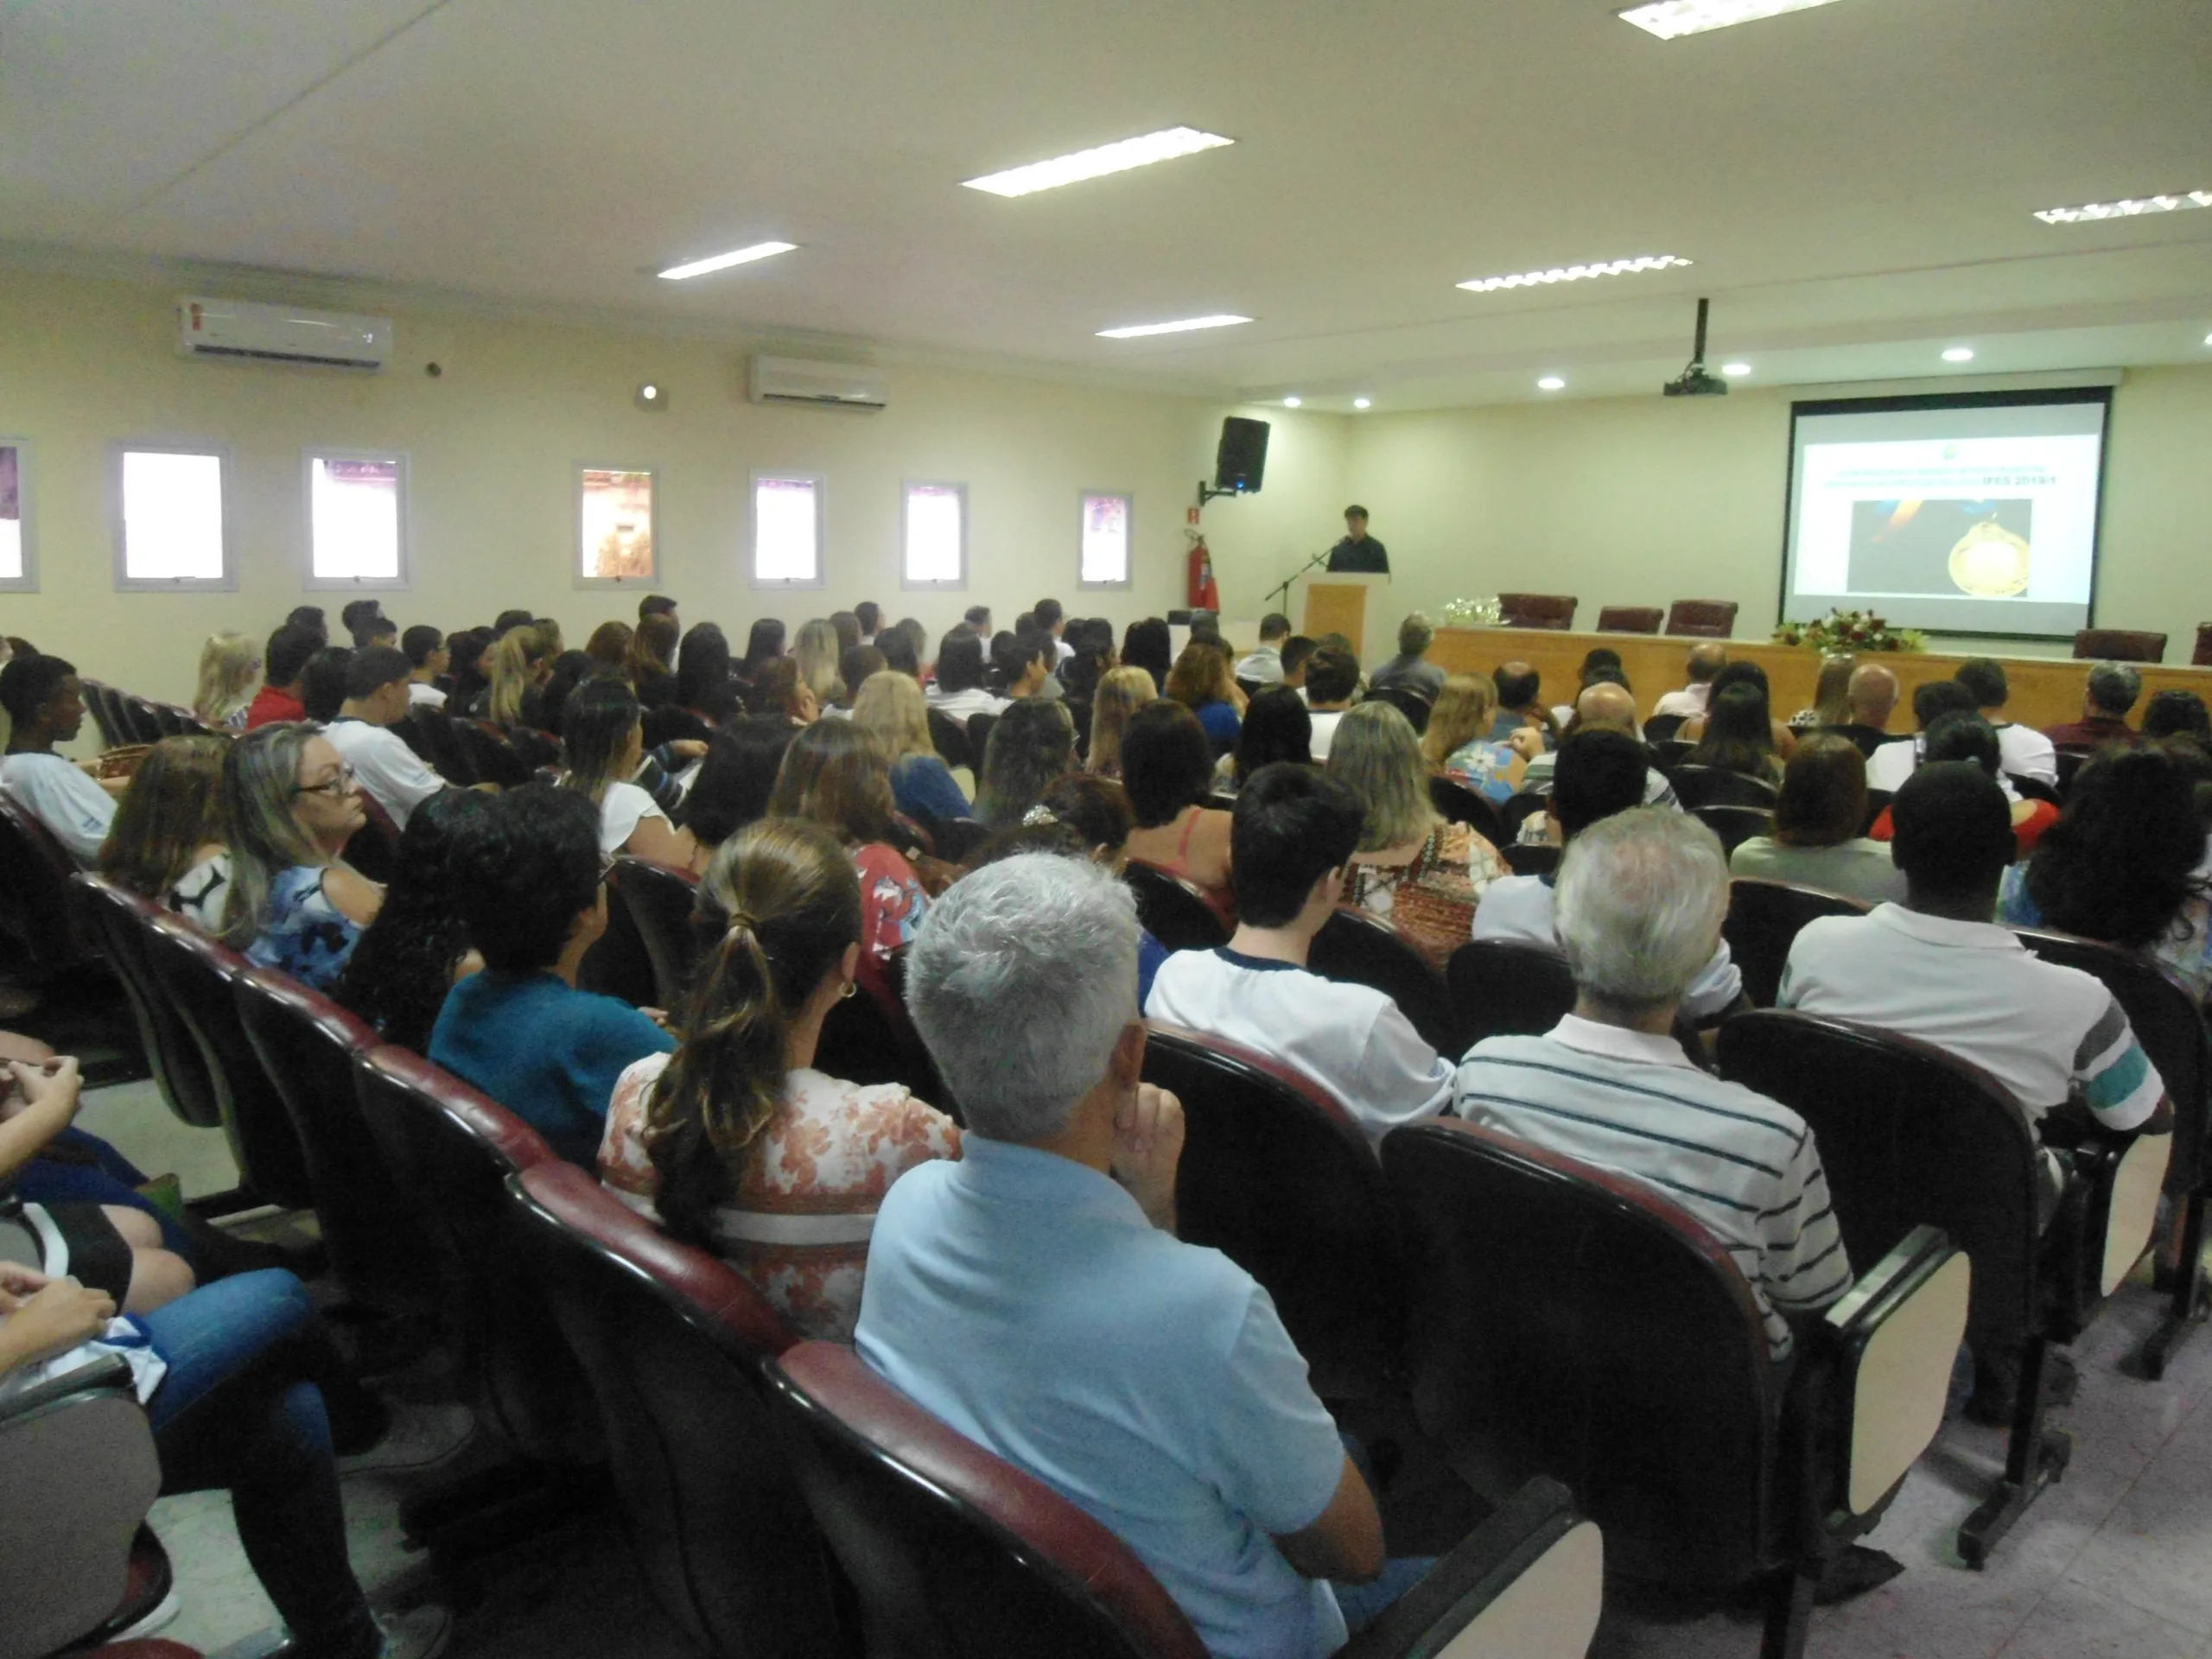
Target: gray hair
column 1021, row 981
column 1416, row 635
column 1640, row 902
column 2113, row 687
column 1376, row 756
column 261, row 775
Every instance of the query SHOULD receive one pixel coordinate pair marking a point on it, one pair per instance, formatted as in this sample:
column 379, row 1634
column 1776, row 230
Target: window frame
column 310, row 582
column 787, row 584
column 577, row 580
column 1128, row 501
column 907, row 488
column 27, row 517
column 226, row 460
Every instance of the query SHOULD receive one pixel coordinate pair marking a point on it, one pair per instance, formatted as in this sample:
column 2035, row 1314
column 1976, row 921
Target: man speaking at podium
column 1358, row 552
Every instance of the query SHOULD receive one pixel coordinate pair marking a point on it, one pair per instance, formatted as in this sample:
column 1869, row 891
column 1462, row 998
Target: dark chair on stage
column 1459, row 804
column 1762, row 922
column 1630, row 618
column 1702, row 619
column 1554, row 610
column 2118, row 645
column 2202, row 657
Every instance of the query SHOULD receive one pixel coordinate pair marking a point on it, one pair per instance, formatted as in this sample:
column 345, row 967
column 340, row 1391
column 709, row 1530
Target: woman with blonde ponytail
column 735, row 1143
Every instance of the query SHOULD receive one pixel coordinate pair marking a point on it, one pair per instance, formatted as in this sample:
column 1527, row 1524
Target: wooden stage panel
column 2046, row 690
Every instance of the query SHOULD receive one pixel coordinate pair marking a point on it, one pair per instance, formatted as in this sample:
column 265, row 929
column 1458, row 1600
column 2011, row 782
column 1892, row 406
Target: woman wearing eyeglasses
column 295, row 905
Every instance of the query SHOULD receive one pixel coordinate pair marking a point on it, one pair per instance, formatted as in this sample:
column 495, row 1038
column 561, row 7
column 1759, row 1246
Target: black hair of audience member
column 656, row 604
column 1740, row 673
column 1046, row 836
column 959, row 663
column 1167, row 763
column 28, row 683
column 1953, row 831
column 1933, row 699
column 898, row 652
column 1047, row 613
column 1097, row 809
column 322, row 683
column 1094, row 651
column 1148, row 644
column 1597, row 773
column 1296, row 650
column 419, row 643
column 1332, row 677
column 1293, row 826
column 466, row 651
column 1013, row 653
column 1025, row 622
column 1824, row 799
column 1205, row 625
column 309, row 617
column 1985, row 681
column 854, row 664
column 1032, row 743
column 523, row 871
column 2176, row 711
column 508, row 621
column 764, row 643
column 1738, row 733
column 1599, row 656
column 286, row 658
column 1278, row 727
column 702, row 672
column 1963, row 734
column 19, row 646
column 848, row 626
column 570, row 670
column 869, row 615
column 976, row 617
column 2122, row 860
column 1604, row 674
column 374, row 667
column 358, row 618
column 737, row 777
column 400, row 971
column 1515, row 691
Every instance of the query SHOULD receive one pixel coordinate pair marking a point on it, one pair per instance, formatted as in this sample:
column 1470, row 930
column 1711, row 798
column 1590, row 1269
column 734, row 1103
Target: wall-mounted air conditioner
column 242, row 331
column 816, row 385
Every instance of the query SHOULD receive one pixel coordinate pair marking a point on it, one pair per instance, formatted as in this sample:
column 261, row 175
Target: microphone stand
column 1283, row 586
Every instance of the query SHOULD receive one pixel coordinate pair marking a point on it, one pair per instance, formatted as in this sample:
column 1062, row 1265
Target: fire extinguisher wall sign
column 1202, row 595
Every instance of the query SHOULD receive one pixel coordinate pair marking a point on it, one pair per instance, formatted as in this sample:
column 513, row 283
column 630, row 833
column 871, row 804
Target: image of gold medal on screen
column 1989, row 561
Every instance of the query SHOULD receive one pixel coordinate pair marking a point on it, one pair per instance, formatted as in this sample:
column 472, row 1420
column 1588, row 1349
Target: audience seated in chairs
column 1201, row 682
column 602, row 747
column 1831, row 704
column 427, row 659
column 283, row 669
column 1600, row 773
column 1277, row 727
column 417, row 949
column 2124, row 864
column 1706, row 661
column 1601, row 665
column 378, row 691
column 1032, row 743
column 1818, row 819
column 1521, row 703
column 1296, row 832
column 1964, row 736
column 1736, row 733
column 1033, row 1296
column 230, row 669
column 2175, row 713
column 1781, row 739
column 291, row 805
column 736, row 778
column 836, row 775
column 1870, row 698
column 816, row 651
column 2111, row 692
column 734, row 1142
column 1122, row 691
column 522, row 662
column 45, row 704
column 958, row 691
column 1935, row 968
column 1457, row 743
column 1411, row 668
column 322, row 683
column 1601, row 706
column 167, row 842
column 764, row 643
column 778, row 689
column 1264, row 666
column 705, row 686
column 1147, row 644
column 1420, row 874
column 2023, row 751
column 1893, row 762
column 648, row 663
column 1167, row 768
column 1332, row 682
column 529, row 877
column 891, row 705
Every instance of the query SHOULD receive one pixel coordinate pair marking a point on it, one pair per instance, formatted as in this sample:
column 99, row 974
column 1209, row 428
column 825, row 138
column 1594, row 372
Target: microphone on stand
column 1284, row 585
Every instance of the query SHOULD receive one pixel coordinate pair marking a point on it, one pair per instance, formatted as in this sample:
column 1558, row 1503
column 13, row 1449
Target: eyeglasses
column 339, row 785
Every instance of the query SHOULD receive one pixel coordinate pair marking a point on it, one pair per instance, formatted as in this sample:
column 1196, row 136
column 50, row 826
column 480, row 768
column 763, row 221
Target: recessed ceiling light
column 1671, row 19
column 1294, row 402
column 1575, row 273
column 724, row 261
column 1959, row 354
column 1138, row 330
column 2181, row 202
column 1735, row 370
column 1362, row 402
column 1097, row 164
column 1551, row 382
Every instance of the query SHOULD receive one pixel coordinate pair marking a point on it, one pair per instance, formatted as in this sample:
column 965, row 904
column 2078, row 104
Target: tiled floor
column 2116, row 1559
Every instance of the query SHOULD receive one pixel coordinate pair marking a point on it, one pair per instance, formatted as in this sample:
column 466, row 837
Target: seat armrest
column 1527, row 1584
column 109, row 1372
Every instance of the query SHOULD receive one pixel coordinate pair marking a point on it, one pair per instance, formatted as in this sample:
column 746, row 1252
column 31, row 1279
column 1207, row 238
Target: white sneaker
column 421, row 1437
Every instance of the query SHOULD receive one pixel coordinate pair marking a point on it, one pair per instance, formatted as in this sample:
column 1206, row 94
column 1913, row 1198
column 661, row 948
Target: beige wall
column 1640, row 501
column 491, row 443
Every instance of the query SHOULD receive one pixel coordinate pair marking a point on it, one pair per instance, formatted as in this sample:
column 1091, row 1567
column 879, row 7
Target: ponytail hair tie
column 1038, row 815
column 740, row 919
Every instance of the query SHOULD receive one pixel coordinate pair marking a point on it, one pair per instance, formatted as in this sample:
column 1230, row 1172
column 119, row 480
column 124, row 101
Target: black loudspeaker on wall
column 1242, row 460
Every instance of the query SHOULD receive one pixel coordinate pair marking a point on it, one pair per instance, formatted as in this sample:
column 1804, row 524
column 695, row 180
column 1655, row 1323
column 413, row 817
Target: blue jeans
column 1362, row 1603
column 240, row 1410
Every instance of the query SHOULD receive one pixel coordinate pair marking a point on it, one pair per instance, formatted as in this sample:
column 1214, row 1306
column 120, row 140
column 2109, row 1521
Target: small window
column 171, row 531
column 787, row 529
column 614, row 526
column 356, row 519
column 1105, row 546
column 936, row 553
column 18, row 554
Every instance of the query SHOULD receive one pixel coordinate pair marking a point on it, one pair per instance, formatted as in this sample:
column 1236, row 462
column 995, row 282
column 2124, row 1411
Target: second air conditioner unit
column 280, row 334
column 794, row 380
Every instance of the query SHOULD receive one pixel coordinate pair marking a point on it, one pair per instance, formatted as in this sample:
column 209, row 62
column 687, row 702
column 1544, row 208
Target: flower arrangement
column 1842, row 631
column 1470, row 613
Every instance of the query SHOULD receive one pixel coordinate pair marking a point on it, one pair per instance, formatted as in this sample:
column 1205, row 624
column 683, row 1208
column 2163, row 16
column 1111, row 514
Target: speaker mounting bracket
column 1207, row 492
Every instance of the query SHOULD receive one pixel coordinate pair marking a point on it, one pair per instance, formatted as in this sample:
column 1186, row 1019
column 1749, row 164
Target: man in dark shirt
column 1358, row 551
column 2111, row 692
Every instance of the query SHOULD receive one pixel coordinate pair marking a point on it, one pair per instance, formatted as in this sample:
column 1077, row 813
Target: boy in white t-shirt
column 45, row 703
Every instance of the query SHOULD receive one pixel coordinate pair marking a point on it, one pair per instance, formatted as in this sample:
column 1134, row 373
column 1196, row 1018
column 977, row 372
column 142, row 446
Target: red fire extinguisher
column 1202, row 592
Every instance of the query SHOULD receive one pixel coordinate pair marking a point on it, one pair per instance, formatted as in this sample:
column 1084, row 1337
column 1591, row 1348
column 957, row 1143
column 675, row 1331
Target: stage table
column 2046, row 690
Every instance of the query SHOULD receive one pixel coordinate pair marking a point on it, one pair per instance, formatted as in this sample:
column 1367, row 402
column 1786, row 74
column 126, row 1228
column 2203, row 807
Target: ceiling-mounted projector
column 1694, row 381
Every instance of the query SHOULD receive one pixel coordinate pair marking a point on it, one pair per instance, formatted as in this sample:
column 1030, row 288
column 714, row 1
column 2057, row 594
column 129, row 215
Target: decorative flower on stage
column 1471, row 614
column 1841, row 630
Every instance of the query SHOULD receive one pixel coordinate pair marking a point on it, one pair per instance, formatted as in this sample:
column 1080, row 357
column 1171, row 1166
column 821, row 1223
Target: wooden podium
column 1337, row 603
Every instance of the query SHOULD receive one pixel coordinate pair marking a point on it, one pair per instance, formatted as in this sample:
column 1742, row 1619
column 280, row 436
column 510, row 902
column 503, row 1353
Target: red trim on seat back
column 517, row 1143
column 1288, row 1077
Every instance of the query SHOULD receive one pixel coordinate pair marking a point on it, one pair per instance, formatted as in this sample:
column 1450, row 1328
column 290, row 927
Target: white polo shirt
column 961, row 704
column 1519, row 909
column 1631, row 1101
column 65, row 797
column 1898, row 759
column 1975, row 991
column 1689, row 702
column 422, row 695
column 2023, row 752
column 1325, row 721
column 383, row 766
column 1351, row 1039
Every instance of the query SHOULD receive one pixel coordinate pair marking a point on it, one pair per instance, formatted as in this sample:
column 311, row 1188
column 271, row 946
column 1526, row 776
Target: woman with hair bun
column 735, row 1137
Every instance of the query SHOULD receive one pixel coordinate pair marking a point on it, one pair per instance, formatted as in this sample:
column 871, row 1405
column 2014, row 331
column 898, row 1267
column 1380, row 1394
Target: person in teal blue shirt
column 530, row 882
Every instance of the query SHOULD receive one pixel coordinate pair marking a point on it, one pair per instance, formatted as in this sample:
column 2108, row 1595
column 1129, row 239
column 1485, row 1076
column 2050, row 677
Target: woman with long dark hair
column 737, row 778
column 722, row 1141
column 167, row 841
column 1277, row 727
column 602, row 747
column 763, row 645
column 1738, row 736
column 837, row 775
column 416, row 950
column 1032, row 743
column 1148, row 644
column 652, row 645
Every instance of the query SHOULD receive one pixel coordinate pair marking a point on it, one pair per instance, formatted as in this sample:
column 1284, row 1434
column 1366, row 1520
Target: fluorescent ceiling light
column 2181, row 202
column 1672, row 19
column 1551, row 382
column 1575, row 273
column 724, row 261
column 1294, row 402
column 1735, row 370
column 1362, row 402
column 1138, row 331
column 1959, row 354
column 1097, row 164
